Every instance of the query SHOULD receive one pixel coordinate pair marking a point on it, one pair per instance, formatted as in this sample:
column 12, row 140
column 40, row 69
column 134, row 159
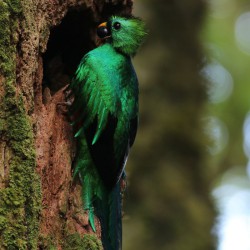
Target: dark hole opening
column 67, row 44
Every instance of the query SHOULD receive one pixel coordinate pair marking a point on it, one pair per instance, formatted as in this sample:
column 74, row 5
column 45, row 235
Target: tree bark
column 41, row 43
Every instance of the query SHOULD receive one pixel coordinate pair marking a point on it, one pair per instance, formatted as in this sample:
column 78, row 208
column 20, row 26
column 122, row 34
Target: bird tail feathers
column 109, row 212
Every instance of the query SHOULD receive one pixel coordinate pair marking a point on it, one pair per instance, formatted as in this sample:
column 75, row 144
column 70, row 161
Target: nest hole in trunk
column 67, row 44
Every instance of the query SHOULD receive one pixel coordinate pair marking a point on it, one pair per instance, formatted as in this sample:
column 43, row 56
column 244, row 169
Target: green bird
column 105, row 117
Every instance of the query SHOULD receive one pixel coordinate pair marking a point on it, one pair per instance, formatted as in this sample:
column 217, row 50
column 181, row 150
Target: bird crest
column 126, row 34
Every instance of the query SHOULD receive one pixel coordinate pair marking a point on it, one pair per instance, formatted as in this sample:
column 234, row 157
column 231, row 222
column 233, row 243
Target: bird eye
column 117, row 26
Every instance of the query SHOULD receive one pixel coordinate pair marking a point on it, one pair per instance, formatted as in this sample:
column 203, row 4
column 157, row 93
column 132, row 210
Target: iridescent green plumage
column 105, row 114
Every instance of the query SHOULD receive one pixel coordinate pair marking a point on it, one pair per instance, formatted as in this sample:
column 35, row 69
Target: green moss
column 91, row 242
column 5, row 33
column 88, row 242
column 15, row 6
column 2, row 222
column 46, row 243
column 20, row 200
column 2, row 123
column 72, row 242
column 8, row 24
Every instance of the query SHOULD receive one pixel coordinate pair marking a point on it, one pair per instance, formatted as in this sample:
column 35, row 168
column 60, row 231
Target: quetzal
column 105, row 117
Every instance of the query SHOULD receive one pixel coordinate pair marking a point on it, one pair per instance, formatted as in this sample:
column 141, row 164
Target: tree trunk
column 41, row 44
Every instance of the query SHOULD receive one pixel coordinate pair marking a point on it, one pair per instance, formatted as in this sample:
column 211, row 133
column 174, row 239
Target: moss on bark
column 72, row 242
column 88, row 241
column 20, row 199
column 23, row 223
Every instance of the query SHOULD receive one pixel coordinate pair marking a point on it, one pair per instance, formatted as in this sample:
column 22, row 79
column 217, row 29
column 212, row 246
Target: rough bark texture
column 41, row 43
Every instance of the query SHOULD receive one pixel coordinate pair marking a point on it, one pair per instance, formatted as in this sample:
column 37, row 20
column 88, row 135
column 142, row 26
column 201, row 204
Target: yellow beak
column 103, row 25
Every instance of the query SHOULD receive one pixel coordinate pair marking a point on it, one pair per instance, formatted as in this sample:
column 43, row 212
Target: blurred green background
column 189, row 170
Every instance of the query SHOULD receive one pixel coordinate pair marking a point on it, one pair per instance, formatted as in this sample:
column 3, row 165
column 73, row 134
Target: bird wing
column 104, row 111
column 94, row 96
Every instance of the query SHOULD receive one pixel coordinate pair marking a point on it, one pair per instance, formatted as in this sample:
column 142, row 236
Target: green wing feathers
column 93, row 97
column 88, row 175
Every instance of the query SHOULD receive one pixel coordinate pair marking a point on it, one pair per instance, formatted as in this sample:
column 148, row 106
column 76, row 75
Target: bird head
column 125, row 34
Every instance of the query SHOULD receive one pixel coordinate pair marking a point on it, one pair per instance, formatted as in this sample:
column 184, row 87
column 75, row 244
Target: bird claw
column 67, row 103
column 62, row 107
